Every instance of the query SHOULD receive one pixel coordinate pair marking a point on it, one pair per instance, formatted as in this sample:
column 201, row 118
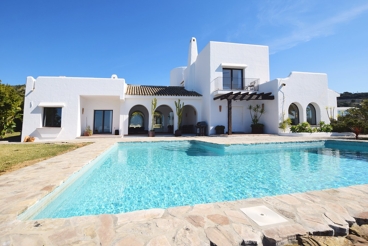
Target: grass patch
column 13, row 134
column 16, row 156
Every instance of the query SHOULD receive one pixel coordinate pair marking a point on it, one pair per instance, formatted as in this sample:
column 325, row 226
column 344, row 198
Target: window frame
column 297, row 113
column 313, row 120
column 232, row 77
column 103, row 121
column 46, row 122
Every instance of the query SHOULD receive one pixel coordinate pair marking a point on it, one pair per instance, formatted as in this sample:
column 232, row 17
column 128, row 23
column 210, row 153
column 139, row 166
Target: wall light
column 82, row 110
column 220, row 107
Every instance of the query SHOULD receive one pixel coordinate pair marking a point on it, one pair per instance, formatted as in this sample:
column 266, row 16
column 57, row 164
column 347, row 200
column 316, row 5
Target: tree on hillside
column 21, row 92
column 357, row 118
column 10, row 108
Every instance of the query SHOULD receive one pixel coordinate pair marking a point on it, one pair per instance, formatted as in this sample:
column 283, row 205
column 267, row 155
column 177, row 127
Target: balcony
column 235, row 84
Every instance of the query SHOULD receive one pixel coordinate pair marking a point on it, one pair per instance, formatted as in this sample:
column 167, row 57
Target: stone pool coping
column 327, row 212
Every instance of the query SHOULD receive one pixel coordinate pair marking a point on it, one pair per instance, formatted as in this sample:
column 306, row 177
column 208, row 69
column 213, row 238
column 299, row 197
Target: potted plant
column 151, row 133
column 256, row 113
column 87, row 131
column 220, row 129
column 179, row 113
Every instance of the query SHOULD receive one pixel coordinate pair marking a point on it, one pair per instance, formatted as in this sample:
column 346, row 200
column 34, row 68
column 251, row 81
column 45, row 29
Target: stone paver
column 330, row 212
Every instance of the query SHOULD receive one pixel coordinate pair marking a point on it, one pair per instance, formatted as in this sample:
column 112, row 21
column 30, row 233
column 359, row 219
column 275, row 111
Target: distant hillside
column 348, row 99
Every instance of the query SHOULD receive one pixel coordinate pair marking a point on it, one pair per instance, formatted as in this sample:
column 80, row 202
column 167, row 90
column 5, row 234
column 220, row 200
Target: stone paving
column 323, row 213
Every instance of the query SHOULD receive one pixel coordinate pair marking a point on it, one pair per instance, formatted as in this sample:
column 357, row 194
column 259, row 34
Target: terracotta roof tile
column 152, row 90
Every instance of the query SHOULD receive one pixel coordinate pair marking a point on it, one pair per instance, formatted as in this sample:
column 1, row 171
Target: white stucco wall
column 303, row 88
column 73, row 94
column 201, row 77
column 146, row 101
column 79, row 97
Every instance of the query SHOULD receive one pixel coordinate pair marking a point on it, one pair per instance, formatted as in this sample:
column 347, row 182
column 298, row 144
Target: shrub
column 302, row 127
column 323, row 127
column 285, row 124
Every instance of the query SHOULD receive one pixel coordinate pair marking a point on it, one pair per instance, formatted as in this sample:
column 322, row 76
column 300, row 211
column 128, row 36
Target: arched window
column 136, row 119
column 311, row 114
column 294, row 114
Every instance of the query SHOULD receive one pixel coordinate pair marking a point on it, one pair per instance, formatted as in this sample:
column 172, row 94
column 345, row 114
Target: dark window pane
column 311, row 114
column 98, row 121
column 294, row 114
column 108, row 121
column 52, row 117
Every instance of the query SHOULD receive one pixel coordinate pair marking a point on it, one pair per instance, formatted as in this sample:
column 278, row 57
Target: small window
column 52, row 117
column 311, row 114
column 294, row 114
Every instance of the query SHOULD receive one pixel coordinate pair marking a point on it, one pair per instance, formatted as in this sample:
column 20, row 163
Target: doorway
column 102, row 123
column 237, row 119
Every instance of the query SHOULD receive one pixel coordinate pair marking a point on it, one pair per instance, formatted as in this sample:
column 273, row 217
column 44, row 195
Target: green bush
column 323, row 127
column 305, row 127
column 340, row 125
column 302, row 127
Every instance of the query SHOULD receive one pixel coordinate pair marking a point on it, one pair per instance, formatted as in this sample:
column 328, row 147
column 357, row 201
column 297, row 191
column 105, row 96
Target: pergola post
column 229, row 117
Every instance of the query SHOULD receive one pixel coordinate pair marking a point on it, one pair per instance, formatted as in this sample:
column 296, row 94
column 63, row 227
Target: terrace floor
column 329, row 212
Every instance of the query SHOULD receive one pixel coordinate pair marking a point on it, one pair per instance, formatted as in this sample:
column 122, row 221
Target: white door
column 237, row 118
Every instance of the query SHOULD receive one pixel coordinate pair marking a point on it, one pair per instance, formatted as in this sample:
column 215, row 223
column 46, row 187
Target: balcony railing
column 235, row 84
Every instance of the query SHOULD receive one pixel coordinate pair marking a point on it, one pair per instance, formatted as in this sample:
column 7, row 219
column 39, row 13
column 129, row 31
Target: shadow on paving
column 11, row 139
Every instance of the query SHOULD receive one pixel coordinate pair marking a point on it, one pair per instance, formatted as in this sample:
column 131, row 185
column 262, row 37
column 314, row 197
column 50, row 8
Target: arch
column 189, row 119
column 138, row 120
column 311, row 114
column 164, row 119
column 293, row 114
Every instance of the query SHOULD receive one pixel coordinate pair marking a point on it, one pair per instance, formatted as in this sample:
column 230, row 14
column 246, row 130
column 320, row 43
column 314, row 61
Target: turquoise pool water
column 135, row 176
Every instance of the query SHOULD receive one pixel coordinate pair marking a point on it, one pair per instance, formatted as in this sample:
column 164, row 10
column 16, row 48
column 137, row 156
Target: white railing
column 235, row 84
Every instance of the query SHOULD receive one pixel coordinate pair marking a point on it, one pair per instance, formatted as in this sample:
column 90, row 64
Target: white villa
column 217, row 86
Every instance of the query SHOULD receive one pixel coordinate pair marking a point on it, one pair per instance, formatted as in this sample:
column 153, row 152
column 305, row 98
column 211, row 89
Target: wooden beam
column 243, row 95
column 235, row 95
column 222, row 97
column 268, row 98
column 229, row 117
column 259, row 95
column 250, row 97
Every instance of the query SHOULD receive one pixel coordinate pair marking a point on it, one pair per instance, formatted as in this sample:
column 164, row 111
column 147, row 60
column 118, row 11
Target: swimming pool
column 135, row 176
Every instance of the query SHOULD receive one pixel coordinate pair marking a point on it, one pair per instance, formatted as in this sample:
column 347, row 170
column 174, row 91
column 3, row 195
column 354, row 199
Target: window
column 294, row 114
column 232, row 79
column 102, row 121
column 52, row 117
column 311, row 114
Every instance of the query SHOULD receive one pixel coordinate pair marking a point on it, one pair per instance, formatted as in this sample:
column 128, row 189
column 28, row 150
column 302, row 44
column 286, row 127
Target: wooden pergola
column 241, row 96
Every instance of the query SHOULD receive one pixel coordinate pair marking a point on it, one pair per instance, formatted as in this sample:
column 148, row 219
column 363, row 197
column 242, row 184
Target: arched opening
column 163, row 119
column 189, row 119
column 138, row 120
column 294, row 114
column 311, row 115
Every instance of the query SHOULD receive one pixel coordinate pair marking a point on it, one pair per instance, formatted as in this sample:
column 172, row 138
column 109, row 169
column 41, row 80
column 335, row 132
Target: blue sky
column 142, row 41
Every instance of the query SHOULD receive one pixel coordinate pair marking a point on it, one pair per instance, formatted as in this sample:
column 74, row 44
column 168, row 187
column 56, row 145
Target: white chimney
column 193, row 51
